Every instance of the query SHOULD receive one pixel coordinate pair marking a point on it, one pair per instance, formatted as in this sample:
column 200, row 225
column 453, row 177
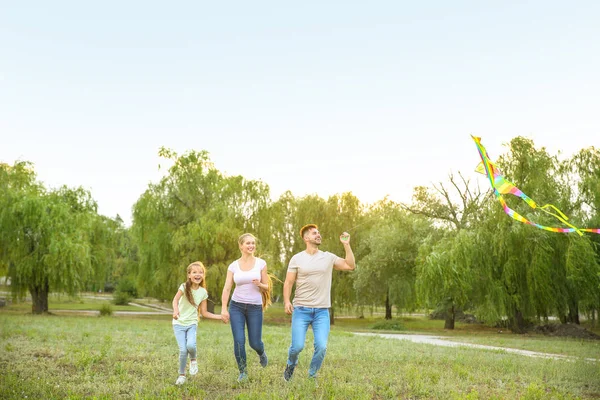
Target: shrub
column 389, row 325
column 127, row 285
column 121, row 298
column 106, row 309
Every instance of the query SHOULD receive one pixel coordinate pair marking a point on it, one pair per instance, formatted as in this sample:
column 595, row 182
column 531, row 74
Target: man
column 311, row 270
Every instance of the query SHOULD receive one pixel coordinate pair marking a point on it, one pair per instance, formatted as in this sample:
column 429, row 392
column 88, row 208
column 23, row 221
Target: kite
column 501, row 186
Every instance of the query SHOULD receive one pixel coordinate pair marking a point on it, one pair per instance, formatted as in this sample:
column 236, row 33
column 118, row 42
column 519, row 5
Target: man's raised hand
column 345, row 238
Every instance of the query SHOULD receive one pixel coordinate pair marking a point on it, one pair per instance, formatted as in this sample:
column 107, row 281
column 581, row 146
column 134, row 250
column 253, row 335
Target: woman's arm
column 225, row 296
column 263, row 284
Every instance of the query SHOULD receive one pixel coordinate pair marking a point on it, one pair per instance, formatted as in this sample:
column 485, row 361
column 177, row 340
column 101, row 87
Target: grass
column 115, row 357
column 73, row 304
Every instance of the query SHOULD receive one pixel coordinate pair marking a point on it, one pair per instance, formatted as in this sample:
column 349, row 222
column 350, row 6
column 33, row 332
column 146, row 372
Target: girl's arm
column 176, row 304
column 225, row 296
column 205, row 313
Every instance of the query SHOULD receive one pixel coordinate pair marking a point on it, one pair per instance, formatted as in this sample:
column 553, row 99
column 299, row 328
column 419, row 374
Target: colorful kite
column 502, row 186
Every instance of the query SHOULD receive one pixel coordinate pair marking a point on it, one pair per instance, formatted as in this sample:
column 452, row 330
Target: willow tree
column 45, row 235
column 447, row 272
column 530, row 273
column 387, row 270
column 455, row 206
column 194, row 213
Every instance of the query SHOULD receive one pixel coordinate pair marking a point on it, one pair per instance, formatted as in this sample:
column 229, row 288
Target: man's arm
column 290, row 279
column 348, row 263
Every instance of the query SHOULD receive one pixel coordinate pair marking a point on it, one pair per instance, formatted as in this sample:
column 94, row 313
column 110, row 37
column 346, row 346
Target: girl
column 190, row 297
column 251, row 296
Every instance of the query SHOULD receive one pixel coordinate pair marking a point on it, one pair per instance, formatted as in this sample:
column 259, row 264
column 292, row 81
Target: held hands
column 289, row 308
column 225, row 316
column 345, row 238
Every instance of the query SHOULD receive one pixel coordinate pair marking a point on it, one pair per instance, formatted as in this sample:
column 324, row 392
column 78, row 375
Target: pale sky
column 314, row 97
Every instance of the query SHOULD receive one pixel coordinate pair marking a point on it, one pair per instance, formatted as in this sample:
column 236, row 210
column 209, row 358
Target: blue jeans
column 302, row 317
column 186, row 340
column 240, row 315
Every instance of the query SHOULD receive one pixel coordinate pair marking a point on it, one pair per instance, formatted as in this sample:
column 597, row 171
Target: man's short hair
column 306, row 228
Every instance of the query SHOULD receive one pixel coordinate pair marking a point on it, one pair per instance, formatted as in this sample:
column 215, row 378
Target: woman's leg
column 237, row 319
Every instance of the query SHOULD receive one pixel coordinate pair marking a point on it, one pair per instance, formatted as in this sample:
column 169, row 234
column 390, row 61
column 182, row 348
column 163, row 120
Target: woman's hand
column 225, row 316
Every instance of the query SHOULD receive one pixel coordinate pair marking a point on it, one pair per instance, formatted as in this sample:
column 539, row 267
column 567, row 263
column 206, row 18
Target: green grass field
column 60, row 357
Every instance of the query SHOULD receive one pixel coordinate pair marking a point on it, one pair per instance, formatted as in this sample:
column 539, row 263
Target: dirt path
column 441, row 341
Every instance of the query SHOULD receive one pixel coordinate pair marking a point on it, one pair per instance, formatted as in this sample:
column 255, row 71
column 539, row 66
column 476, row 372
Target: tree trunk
column 450, row 317
column 331, row 316
column 518, row 322
column 574, row 314
column 39, row 298
column 210, row 305
column 388, row 307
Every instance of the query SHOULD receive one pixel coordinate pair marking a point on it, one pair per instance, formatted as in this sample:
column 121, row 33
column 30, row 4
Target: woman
column 250, row 297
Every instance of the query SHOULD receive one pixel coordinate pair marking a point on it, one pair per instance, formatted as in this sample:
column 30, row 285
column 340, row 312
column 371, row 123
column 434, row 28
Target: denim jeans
column 302, row 317
column 186, row 340
column 241, row 315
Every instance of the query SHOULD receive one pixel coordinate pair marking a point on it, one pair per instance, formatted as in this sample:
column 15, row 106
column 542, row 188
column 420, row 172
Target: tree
column 388, row 267
column 456, row 206
column 194, row 213
column 45, row 235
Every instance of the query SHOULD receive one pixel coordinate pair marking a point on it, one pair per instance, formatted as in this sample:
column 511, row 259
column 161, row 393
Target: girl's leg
column 237, row 319
column 179, row 331
column 191, row 341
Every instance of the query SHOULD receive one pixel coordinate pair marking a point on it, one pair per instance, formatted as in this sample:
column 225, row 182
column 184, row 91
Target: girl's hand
column 256, row 282
column 175, row 314
column 225, row 316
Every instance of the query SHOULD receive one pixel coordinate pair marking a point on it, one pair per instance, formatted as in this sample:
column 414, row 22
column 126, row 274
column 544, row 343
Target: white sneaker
column 193, row 367
column 180, row 380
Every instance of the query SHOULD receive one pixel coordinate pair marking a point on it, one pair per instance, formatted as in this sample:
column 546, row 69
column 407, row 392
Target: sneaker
column 193, row 367
column 264, row 360
column 289, row 371
column 180, row 380
column 243, row 377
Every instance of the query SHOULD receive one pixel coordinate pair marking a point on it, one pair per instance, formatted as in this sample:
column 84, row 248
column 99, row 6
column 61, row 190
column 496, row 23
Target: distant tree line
column 452, row 248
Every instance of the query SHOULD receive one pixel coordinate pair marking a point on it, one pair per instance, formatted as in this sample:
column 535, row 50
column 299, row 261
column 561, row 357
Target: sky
column 315, row 97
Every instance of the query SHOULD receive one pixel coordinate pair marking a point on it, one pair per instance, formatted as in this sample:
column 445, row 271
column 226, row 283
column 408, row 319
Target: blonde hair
column 244, row 236
column 188, row 282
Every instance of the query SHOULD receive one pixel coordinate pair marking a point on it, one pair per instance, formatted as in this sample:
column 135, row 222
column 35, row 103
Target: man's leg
column 301, row 318
column 321, row 331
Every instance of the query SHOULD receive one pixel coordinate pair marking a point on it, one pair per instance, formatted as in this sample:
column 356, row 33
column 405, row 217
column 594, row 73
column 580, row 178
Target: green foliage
column 127, row 286
column 390, row 247
column 389, row 325
column 49, row 239
column 194, row 213
column 106, row 310
column 122, row 298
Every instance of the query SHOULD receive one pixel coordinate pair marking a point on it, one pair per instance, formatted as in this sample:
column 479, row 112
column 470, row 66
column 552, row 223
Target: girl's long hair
column 265, row 294
column 188, row 282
